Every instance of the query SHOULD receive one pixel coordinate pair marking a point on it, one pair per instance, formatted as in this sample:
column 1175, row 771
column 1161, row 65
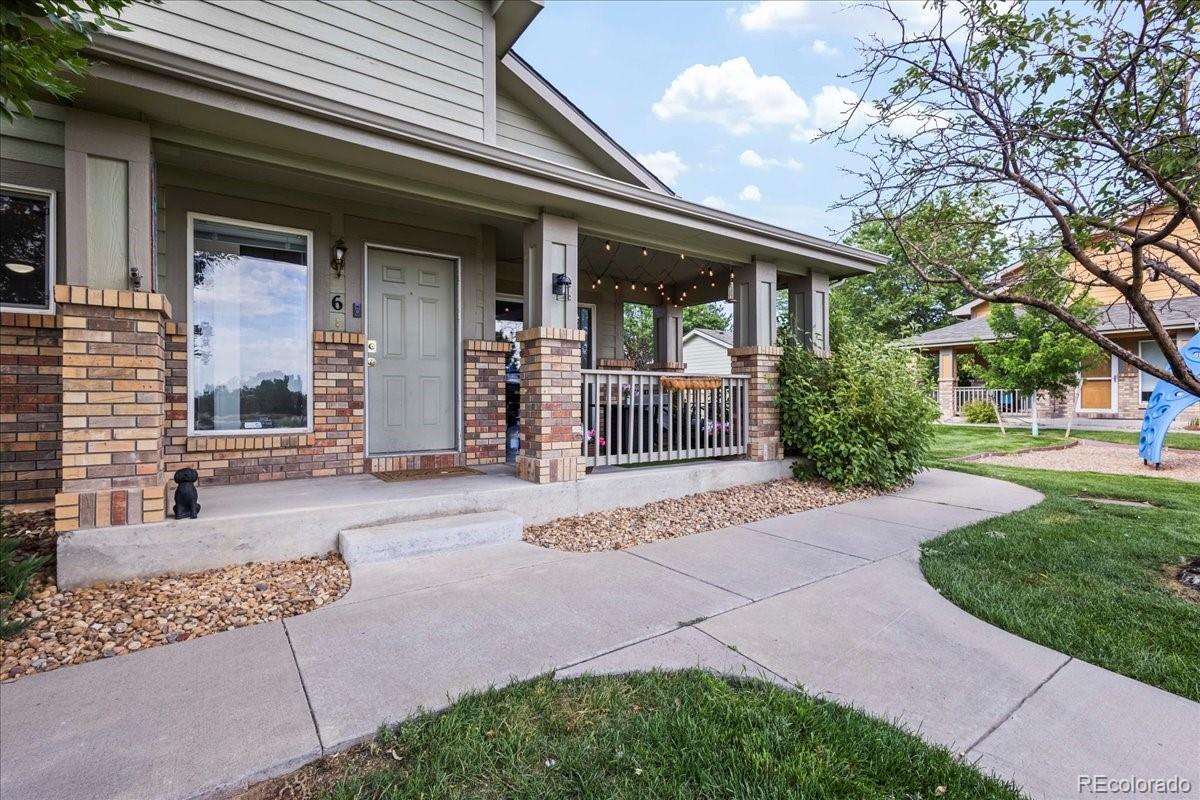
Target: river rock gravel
column 695, row 513
column 111, row 620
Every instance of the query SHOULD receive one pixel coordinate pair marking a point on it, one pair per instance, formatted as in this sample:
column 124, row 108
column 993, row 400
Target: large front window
column 26, row 248
column 250, row 346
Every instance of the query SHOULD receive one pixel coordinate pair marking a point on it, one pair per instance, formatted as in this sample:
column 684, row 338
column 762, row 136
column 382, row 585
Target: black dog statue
column 187, row 500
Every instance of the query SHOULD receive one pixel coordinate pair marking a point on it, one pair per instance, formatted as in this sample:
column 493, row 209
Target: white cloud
column 733, row 96
column 751, row 194
column 750, row 158
column 713, row 201
column 834, row 105
column 823, row 48
column 666, row 164
column 851, row 17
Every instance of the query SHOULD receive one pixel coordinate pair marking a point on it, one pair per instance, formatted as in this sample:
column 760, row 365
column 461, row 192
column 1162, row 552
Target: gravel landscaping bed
column 111, row 620
column 695, row 513
column 1116, row 459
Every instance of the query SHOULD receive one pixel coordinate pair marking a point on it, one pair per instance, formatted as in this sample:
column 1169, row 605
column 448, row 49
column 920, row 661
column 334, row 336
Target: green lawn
column 1085, row 578
column 663, row 735
column 954, row 441
column 958, row 440
column 1179, row 440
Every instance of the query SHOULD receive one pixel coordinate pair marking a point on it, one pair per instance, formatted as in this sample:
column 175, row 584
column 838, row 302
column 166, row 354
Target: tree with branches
column 1079, row 124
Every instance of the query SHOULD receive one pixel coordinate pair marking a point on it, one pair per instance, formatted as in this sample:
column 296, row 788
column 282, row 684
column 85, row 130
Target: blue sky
column 724, row 95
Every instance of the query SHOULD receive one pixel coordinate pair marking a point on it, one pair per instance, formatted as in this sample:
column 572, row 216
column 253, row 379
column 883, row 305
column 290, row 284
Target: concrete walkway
column 831, row 600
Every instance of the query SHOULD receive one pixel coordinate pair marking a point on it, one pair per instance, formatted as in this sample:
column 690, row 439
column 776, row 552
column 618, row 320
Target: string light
column 681, row 257
column 608, row 246
column 645, row 252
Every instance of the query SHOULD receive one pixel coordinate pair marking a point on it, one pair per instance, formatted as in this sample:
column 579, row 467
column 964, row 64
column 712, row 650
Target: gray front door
column 412, row 384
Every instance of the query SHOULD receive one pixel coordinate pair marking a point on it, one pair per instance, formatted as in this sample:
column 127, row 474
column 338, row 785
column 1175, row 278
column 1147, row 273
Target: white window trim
column 51, row 250
column 1112, row 401
column 192, row 217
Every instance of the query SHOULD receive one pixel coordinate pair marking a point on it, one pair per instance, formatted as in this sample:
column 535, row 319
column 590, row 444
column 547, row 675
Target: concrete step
column 420, row 537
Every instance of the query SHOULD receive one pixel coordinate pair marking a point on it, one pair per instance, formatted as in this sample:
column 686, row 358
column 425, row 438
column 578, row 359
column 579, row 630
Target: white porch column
column 668, row 338
column 808, row 311
column 754, row 310
column 551, row 248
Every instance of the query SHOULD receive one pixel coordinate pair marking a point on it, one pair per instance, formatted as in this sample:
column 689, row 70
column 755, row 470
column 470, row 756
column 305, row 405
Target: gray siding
column 34, row 140
column 415, row 61
column 705, row 358
column 518, row 129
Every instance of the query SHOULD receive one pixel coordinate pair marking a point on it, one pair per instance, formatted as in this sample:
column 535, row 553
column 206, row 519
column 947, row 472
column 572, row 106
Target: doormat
column 425, row 474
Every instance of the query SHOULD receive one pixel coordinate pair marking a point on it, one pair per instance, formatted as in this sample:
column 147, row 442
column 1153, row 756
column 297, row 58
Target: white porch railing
column 1007, row 402
column 630, row 418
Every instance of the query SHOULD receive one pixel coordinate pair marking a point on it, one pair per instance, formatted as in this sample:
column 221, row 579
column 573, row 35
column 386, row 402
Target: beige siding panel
column 312, row 62
column 518, row 129
column 107, row 223
column 14, row 149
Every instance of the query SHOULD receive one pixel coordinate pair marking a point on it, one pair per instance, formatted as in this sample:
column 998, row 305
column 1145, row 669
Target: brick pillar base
column 483, row 400
column 113, row 369
column 762, row 365
column 551, row 405
column 945, row 397
column 668, row 366
column 616, row 363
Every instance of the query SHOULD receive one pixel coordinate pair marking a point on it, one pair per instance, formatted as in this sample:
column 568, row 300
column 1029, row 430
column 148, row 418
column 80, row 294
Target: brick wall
column 551, row 405
column 112, row 407
column 335, row 446
column 483, row 400
column 762, row 365
column 30, row 407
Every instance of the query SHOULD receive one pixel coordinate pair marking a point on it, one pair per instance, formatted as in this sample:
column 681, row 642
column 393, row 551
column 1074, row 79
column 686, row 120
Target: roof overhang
column 706, row 336
column 511, row 18
column 204, row 107
column 525, row 84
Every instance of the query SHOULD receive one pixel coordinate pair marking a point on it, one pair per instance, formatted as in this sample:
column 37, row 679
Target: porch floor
column 278, row 520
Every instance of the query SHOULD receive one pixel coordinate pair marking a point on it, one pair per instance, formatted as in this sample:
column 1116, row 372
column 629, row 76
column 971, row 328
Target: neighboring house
column 706, row 352
column 281, row 240
column 1109, row 390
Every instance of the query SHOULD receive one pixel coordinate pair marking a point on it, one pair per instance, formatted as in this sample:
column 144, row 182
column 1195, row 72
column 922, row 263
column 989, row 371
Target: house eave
column 133, row 67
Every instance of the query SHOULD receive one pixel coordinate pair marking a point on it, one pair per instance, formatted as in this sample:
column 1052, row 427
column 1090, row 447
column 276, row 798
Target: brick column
column 551, row 405
column 483, row 400
column 616, row 363
column 668, row 366
column 947, row 380
column 30, row 407
column 761, row 364
column 113, row 381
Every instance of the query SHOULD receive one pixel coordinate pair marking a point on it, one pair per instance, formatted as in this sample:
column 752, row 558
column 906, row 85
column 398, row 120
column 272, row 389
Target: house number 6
column 337, row 303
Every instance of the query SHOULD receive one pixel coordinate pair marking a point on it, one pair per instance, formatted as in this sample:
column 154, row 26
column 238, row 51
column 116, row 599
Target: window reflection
column 251, row 358
column 24, row 249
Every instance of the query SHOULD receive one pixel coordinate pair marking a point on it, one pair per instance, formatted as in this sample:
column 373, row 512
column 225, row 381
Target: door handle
column 372, row 346
column 370, row 362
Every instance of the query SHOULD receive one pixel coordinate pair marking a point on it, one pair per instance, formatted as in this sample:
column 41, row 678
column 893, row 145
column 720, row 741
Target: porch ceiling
column 310, row 135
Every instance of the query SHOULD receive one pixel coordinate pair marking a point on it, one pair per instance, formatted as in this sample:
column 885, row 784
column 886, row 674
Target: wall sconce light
column 338, row 262
column 562, row 286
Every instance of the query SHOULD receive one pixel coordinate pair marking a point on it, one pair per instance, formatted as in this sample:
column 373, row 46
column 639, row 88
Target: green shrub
column 863, row 417
column 17, row 567
column 978, row 411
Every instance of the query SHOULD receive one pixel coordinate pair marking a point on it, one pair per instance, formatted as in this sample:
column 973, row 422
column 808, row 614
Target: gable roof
column 722, row 338
column 529, row 88
column 1179, row 313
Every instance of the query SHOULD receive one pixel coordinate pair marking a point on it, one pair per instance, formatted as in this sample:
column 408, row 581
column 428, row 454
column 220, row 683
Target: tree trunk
column 1071, row 410
column 1033, row 429
column 999, row 419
